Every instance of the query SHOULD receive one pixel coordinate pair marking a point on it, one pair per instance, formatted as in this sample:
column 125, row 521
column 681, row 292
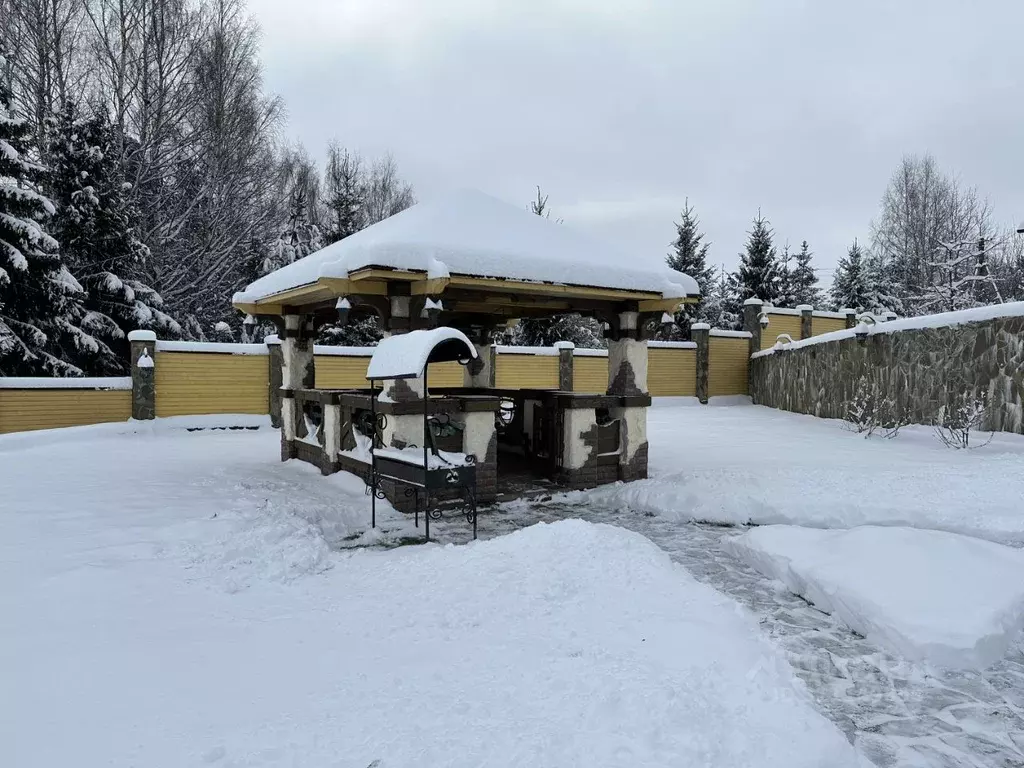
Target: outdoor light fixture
column 667, row 321
column 1020, row 228
column 432, row 310
column 344, row 306
column 863, row 328
column 762, row 318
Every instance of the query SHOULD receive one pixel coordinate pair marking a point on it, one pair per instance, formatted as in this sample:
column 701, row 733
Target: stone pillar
column 627, row 358
column 480, row 438
column 275, row 373
column 332, row 434
column 806, row 321
column 400, row 307
column 565, row 365
column 752, row 323
column 480, row 373
column 297, row 372
column 627, row 379
column 851, row 316
column 890, row 316
column 143, row 361
column 701, row 334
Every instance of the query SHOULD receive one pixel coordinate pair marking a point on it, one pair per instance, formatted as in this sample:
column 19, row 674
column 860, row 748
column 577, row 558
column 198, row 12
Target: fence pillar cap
column 848, row 311
column 272, row 339
column 142, row 336
column 700, row 327
column 753, row 301
column 564, row 345
column 805, row 307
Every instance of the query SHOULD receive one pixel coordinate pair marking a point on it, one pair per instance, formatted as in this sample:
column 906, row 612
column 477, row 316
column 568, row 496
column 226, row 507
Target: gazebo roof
column 467, row 238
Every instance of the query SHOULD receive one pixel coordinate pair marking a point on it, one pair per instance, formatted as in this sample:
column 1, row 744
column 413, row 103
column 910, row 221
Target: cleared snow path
column 898, row 713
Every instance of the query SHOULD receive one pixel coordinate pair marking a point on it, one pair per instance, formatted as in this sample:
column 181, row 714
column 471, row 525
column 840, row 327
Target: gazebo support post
column 297, row 372
column 627, row 379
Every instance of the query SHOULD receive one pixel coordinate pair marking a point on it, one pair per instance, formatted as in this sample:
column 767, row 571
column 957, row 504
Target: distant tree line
column 933, row 248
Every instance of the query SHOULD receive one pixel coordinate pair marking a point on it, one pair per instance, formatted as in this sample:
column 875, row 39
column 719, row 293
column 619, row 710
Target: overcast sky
column 621, row 110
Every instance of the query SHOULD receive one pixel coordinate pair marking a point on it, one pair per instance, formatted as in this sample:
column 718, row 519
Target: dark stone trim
column 624, row 382
column 287, row 394
column 635, row 401
column 635, row 468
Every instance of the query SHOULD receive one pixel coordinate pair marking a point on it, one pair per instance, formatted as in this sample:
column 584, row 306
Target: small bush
column 961, row 419
column 870, row 413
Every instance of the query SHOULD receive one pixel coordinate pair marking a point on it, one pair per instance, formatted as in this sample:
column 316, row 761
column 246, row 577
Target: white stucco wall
column 577, row 422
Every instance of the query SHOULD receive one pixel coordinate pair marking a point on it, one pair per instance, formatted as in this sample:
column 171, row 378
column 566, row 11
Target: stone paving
column 896, row 712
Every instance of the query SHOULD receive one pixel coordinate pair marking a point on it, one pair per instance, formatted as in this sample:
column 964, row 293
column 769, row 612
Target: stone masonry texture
column 921, row 369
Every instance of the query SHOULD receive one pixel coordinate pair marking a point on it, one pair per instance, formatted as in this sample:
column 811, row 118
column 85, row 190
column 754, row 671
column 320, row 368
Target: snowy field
column 175, row 602
column 183, row 598
column 738, row 465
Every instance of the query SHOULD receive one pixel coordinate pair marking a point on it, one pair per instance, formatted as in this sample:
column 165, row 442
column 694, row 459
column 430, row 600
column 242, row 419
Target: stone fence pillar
column 851, row 316
column 297, row 372
column 143, row 362
column 275, row 375
column 752, row 322
column 565, row 365
column 806, row 321
column 701, row 335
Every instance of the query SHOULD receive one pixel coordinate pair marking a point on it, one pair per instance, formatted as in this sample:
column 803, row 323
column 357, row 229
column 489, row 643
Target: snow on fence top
column 503, row 349
column 672, row 344
column 322, row 349
column 406, row 355
column 769, row 309
column 941, row 320
column 470, row 233
column 42, row 382
column 730, row 334
column 221, row 348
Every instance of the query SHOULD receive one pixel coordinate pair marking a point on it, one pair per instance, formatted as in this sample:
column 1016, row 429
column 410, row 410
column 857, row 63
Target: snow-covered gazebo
column 471, row 262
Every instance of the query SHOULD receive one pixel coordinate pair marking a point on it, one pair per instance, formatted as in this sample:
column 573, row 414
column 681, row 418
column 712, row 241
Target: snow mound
column 272, row 544
column 941, row 597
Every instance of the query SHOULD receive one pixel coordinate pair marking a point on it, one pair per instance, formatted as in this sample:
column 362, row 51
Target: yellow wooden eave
column 373, row 282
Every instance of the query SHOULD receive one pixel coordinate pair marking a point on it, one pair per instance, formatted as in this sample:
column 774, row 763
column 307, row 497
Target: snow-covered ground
column 738, row 465
column 173, row 598
column 183, row 598
column 953, row 600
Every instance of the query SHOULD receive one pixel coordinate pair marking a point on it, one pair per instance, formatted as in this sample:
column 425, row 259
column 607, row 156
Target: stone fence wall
column 920, row 363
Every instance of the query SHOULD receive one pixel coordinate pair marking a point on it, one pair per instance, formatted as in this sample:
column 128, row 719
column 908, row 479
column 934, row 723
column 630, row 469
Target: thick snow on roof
column 406, row 354
column 470, row 233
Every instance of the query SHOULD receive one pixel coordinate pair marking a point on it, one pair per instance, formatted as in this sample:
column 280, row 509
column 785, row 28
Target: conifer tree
column 803, row 282
column 37, row 293
column 96, row 226
column 689, row 256
column 758, row 275
column 298, row 239
column 850, row 286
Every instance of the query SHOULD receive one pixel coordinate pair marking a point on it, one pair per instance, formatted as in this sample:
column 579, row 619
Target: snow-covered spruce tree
column 803, row 282
column 689, row 255
column 343, row 192
column 96, row 224
column 298, row 239
column 787, row 294
column 37, row 294
column 363, row 331
column 883, row 287
column 850, row 284
column 758, row 275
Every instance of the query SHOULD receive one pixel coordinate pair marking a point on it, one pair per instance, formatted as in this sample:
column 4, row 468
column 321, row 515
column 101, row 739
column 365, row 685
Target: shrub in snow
column 962, row 415
column 870, row 412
